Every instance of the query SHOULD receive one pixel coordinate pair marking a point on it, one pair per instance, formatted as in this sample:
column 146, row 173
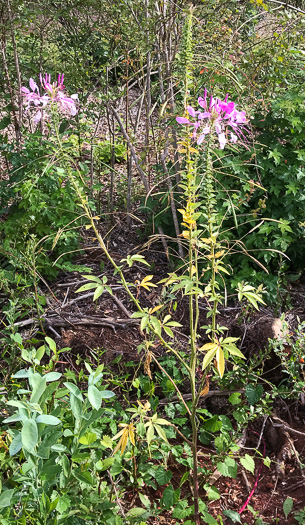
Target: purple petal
column 240, row 117
column 75, row 96
column 205, row 131
column 33, row 85
column 218, row 128
column 37, row 117
column 191, row 111
column 202, row 102
column 25, row 90
column 203, row 115
column 230, row 107
column 222, row 140
column 233, row 138
column 182, row 120
column 44, row 100
column 200, row 139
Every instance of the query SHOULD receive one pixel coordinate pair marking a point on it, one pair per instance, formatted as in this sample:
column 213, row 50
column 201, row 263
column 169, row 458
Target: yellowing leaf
column 219, row 254
column 220, row 362
column 145, row 283
column 155, row 309
column 206, row 388
column 131, row 434
column 208, row 358
column 126, row 433
column 208, row 346
column 193, row 270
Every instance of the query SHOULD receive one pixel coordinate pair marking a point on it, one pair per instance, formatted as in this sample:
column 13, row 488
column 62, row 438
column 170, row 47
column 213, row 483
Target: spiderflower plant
column 218, row 117
column 53, row 95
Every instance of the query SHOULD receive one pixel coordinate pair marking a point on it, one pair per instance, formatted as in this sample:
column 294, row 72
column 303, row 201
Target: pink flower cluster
column 53, row 95
column 217, row 116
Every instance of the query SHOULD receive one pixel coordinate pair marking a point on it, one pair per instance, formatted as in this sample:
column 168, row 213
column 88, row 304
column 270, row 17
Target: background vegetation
column 121, row 169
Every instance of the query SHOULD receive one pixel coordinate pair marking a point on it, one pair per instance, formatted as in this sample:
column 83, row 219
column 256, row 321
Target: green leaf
column 105, row 464
column 64, row 503
column 6, row 497
column 74, row 390
column 253, row 393
column 232, row 349
column 39, row 388
column 144, row 322
column 98, row 292
column 248, row 463
column 51, row 344
column 106, row 394
column 287, row 506
column 52, row 376
column 135, row 512
column 88, row 438
column 145, row 500
column 150, row 434
column 182, row 510
column 40, row 353
column 94, row 396
column 213, row 424
column 229, row 340
column 168, row 331
column 85, row 287
column 234, row 398
column 170, row 497
column 15, row 445
column 207, row 518
column 163, row 476
column 76, row 406
column 228, row 468
column 29, row 435
column 212, row 492
column 83, row 476
column 48, row 420
column 14, row 418
column 232, row 515
column 161, row 432
column 21, row 374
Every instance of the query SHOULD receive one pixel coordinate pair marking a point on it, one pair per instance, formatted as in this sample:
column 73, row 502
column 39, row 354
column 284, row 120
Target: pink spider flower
column 53, row 95
column 218, row 116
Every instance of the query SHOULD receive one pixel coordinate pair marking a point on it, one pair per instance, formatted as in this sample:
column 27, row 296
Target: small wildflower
column 218, row 116
column 54, row 94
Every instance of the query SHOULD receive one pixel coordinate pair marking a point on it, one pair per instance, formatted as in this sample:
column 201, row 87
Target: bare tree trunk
column 16, row 59
column 9, row 85
column 129, row 158
column 132, row 150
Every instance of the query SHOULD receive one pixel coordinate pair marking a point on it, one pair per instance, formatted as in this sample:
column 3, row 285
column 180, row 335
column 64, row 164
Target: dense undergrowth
column 149, row 137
